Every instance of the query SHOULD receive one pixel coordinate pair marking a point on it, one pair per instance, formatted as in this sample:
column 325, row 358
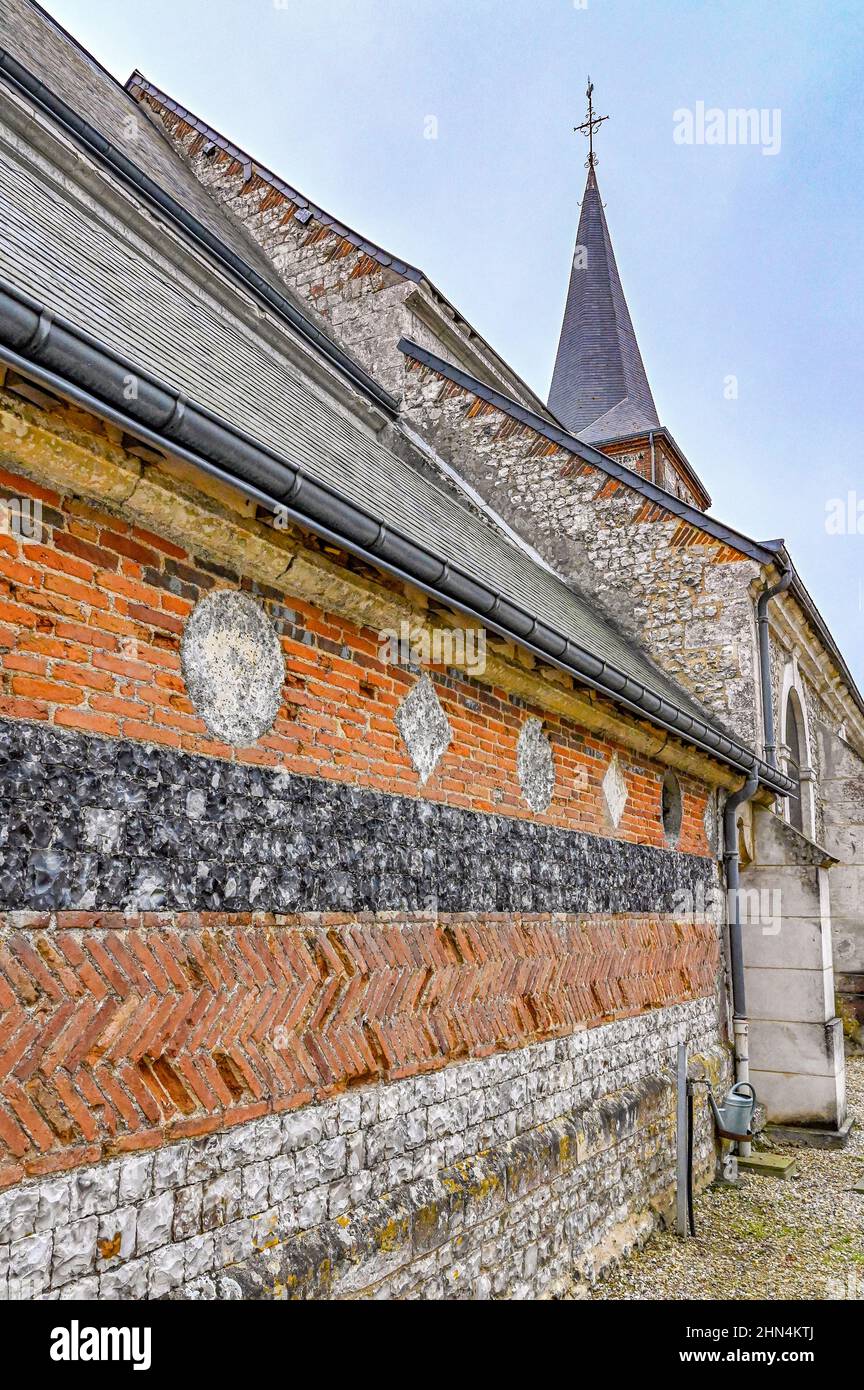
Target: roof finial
column 589, row 125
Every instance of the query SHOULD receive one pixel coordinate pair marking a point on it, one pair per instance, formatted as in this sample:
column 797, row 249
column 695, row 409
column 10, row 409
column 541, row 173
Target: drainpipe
column 732, row 858
column 765, row 663
column 653, row 461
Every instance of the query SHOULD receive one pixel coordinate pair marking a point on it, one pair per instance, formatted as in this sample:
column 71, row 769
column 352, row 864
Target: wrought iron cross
column 589, row 125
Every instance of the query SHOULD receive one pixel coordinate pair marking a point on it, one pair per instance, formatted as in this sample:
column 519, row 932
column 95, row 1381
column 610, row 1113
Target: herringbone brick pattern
column 120, row 1032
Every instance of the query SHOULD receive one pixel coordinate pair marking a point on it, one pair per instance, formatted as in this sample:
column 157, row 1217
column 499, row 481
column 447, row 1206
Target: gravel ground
column 795, row 1238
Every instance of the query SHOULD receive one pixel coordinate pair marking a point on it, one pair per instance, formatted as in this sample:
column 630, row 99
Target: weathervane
column 589, row 125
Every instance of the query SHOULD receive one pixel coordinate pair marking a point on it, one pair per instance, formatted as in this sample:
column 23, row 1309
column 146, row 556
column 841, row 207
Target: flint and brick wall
column 91, row 619
column 277, row 1021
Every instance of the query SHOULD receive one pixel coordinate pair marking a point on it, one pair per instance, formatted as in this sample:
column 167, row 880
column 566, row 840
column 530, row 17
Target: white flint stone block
column 155, row 1220
column 424, row 727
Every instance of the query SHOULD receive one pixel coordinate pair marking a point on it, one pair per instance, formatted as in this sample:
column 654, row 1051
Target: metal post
column 681, row 1139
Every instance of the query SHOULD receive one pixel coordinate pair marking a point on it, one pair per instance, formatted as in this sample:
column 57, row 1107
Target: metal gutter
column 732, row 860
column 54, row 352
column 763, row 553
column 86, row 136
column 732, row 856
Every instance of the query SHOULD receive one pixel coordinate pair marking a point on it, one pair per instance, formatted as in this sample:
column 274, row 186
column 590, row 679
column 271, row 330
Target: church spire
column 599, row 388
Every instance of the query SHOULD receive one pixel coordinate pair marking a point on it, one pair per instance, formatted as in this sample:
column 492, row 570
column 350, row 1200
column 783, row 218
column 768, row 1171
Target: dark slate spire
column 599, row 387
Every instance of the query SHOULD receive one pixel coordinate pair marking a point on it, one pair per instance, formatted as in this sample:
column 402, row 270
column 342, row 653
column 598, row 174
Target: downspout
column 732, row 859
column 765, row 663
column 731, row 852
column 653, row 460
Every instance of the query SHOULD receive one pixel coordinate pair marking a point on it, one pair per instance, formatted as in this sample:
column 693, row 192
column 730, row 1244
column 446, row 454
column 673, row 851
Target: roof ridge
column 386, row 258
column 137, row 79
column 133, row 174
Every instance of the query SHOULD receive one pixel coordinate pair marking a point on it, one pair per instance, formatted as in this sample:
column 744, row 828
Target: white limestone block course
column 615, row 791
column 233, row 666
column 424, row 728
column 790, row 996
column 535, row 765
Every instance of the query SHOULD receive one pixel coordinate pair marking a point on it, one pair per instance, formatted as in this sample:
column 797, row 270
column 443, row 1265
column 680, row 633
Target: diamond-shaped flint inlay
column 535, row 765
column 615, row 791
column 424, row 727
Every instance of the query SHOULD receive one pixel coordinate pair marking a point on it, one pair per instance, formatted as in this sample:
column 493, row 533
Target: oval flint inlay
column 233, row 666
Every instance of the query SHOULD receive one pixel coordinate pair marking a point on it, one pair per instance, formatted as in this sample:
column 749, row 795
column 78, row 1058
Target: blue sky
column 735, row 263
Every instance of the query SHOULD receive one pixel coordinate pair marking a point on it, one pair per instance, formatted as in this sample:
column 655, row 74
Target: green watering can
column 734, row 1115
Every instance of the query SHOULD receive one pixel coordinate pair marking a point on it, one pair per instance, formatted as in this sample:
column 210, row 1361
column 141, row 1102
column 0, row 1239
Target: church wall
column 786, row 674
column 796, row 1038
column 281, row 1019
column 842, row 784
column 636, row 454
column 498, row 1177
column 833, row 814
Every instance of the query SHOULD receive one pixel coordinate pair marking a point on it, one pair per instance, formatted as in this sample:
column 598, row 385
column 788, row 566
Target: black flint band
column 95, row 824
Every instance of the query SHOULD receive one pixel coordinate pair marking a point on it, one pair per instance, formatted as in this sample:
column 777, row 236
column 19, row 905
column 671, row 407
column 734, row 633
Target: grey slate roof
column 599, row 388
column 306, row 209
column 109, row 286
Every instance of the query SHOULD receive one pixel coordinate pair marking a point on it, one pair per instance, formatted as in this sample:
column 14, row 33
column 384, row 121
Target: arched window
column 796, row 758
